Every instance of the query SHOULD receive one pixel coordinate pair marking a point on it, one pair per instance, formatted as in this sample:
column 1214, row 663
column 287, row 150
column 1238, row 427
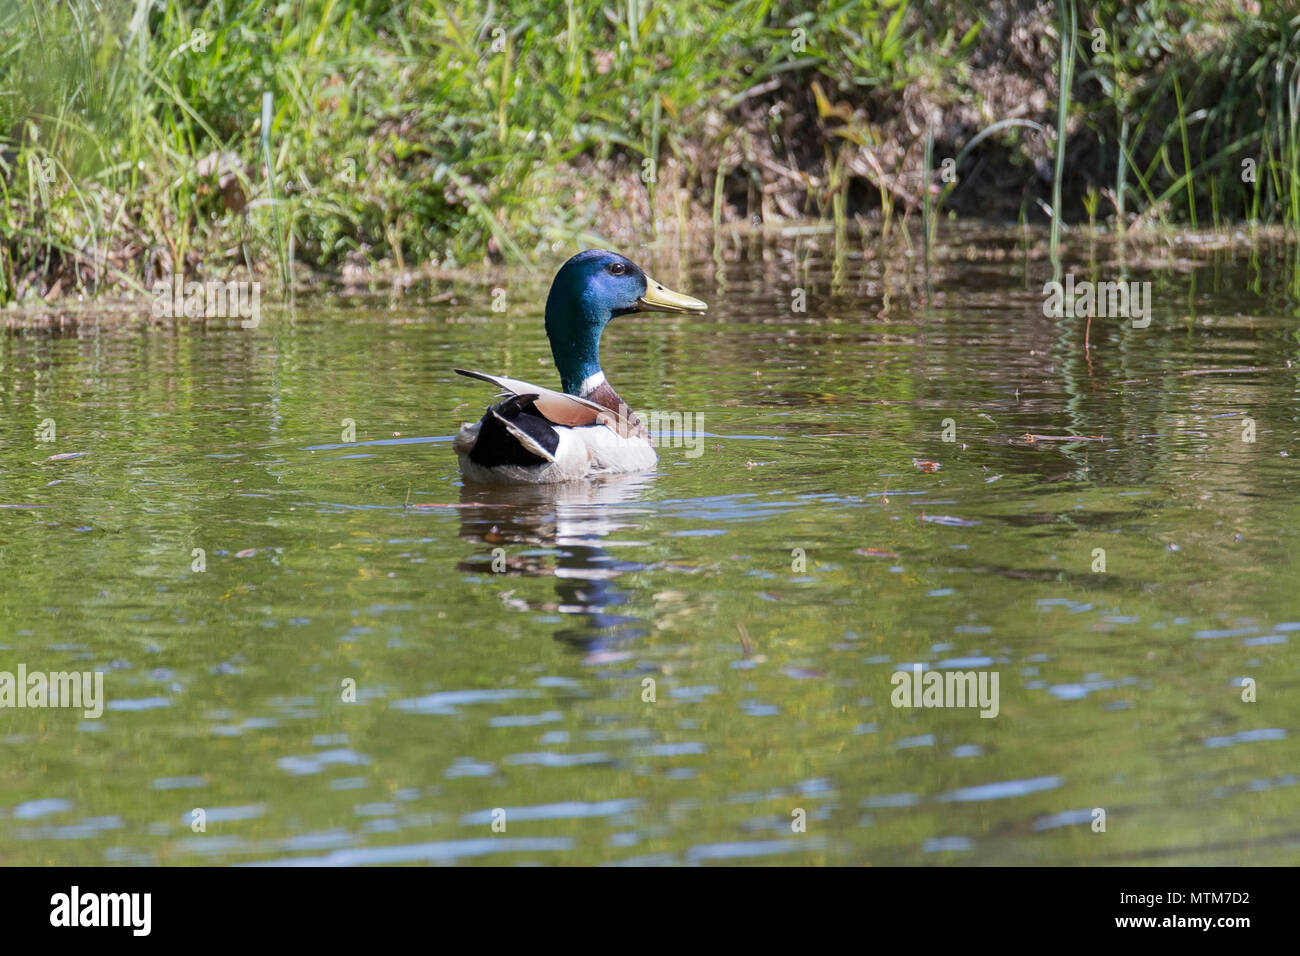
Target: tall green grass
column 1200, row 101
column 133, row 142
column 420, row 131
column 1068, row 20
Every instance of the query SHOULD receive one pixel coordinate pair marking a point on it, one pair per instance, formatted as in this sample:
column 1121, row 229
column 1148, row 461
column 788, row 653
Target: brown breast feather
column 619, row 417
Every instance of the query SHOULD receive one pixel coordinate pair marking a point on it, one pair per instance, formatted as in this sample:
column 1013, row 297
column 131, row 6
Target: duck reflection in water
column 556, row 531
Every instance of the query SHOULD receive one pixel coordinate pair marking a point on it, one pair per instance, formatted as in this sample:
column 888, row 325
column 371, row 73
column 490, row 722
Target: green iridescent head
column 588, row 291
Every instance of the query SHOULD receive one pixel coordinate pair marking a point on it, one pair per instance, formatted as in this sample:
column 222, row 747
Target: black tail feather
column 508, row 429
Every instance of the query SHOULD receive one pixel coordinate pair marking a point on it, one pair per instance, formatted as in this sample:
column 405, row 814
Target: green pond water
column 769, row 581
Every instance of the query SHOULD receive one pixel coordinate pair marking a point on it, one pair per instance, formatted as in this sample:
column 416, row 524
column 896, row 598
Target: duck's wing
column 510, row 433
column 557, row 407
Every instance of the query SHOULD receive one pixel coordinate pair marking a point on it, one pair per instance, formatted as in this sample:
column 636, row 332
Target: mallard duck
column 537, row 435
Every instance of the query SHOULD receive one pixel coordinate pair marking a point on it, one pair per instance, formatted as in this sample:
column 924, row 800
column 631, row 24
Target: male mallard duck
column 536, row 435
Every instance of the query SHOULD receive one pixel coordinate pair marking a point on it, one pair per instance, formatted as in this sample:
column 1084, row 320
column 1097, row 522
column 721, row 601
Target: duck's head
column 588, row 291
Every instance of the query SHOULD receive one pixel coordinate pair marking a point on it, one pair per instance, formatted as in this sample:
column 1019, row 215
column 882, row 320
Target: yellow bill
column 659, row 298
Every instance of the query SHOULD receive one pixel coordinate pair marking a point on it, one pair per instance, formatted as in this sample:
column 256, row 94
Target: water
column 768, row 587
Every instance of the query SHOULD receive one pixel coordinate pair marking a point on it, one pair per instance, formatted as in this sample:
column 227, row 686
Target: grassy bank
column 133, row 143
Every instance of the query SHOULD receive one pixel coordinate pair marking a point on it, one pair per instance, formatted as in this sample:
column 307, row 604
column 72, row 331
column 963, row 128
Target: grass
column 139, row 138
column 1069, row 28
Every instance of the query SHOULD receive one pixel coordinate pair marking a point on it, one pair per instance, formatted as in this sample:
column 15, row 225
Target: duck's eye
column 617, row 269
